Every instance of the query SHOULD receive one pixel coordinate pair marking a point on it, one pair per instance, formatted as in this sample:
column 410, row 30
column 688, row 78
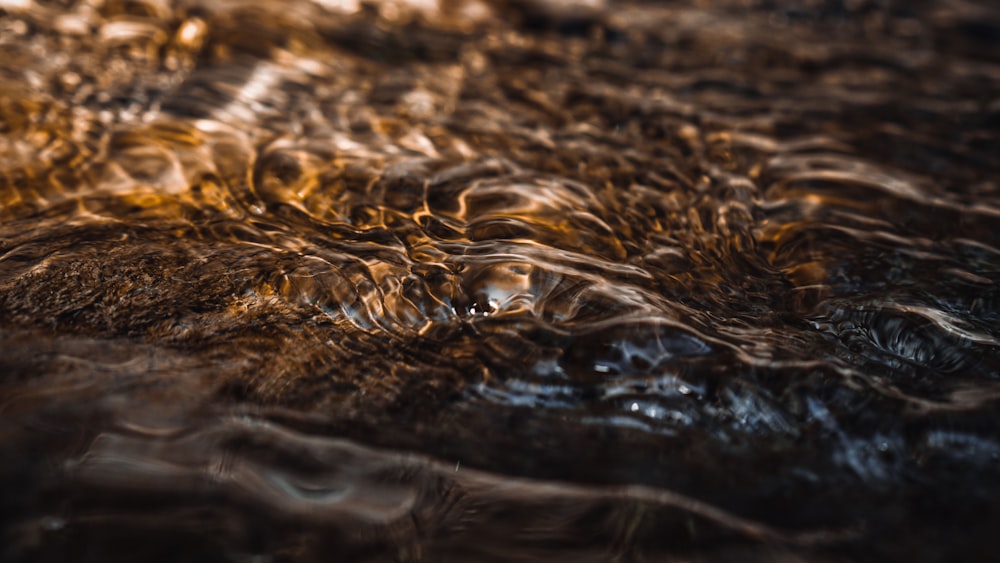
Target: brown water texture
column 499, row 280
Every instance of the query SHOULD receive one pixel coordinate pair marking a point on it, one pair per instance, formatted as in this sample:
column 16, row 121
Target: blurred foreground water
column 511, row 280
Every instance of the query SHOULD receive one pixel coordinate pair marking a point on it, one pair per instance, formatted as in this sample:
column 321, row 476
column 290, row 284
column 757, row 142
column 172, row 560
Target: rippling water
column 463, row 280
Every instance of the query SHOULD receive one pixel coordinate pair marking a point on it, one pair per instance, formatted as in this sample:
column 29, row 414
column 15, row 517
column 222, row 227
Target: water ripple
column 603, row 268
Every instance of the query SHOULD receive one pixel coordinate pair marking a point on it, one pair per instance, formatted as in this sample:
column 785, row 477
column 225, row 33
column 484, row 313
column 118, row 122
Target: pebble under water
column 499, row 280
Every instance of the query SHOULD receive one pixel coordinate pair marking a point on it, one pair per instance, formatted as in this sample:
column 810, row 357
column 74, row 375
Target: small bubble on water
column 52, row 523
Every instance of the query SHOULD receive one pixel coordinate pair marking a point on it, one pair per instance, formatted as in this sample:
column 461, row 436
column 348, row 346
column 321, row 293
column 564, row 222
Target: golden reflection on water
column 707, row 279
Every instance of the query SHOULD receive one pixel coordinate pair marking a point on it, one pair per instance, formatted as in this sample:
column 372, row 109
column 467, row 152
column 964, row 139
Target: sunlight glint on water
column 490, row 281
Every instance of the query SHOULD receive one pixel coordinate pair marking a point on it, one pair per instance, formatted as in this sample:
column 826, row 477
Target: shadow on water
column 477, row 280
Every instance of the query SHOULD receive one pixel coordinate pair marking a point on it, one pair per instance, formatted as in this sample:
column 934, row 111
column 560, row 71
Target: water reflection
column 476, row 280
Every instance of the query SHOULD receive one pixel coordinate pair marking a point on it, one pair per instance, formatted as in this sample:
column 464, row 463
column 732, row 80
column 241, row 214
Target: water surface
column 460, row 280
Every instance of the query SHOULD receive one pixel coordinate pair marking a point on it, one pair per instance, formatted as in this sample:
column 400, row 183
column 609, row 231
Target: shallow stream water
column 499, row 280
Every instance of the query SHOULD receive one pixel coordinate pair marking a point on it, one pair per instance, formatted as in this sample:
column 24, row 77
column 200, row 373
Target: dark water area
column 511, row 280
